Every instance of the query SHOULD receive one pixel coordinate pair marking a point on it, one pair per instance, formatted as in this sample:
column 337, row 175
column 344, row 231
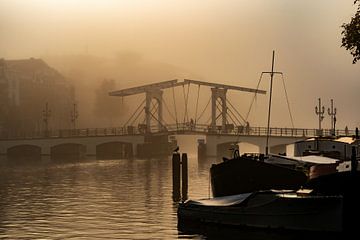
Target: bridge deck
column 174, row 129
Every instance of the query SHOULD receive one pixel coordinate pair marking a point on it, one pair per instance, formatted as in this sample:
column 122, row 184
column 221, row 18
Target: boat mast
column 268, row 120
column 271, row 84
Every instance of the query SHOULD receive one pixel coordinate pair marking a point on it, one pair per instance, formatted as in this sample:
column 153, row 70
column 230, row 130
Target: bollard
column 176, row 176
column 184, row 176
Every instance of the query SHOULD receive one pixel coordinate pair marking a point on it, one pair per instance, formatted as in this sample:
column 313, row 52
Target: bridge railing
column 65, row 133
column 180, row 128
column 257, row 131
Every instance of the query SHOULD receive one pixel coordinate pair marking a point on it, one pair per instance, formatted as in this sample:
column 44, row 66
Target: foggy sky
column 219, row 41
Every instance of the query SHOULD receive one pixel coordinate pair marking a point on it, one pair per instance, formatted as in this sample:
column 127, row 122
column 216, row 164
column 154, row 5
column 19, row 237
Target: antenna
column 269, row 111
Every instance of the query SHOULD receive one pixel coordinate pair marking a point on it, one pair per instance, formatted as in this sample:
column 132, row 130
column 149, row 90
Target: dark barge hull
column 311, row 213
column 244, row 174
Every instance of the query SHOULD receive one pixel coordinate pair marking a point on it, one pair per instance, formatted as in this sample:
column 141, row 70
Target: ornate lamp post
column 320, row 111
column 74, row 114
column 332, row 113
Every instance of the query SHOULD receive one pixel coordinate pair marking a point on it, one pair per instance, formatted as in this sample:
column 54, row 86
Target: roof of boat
column 222, row 201
column 237, row 199
column 348, row 140
column 345, row 139
column 265, row 197
column 310, row 159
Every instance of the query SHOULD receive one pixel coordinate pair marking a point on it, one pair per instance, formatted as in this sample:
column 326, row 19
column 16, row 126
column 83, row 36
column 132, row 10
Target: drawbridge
column 152, row 107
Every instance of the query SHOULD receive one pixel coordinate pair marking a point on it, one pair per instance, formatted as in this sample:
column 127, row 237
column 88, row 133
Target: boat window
column 333, row 146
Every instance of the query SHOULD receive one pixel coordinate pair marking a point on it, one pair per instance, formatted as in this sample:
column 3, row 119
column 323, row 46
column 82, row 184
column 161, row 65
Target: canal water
column 107, row 199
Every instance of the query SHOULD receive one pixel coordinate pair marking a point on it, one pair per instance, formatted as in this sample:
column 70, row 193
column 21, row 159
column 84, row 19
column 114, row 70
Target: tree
column 351, row 34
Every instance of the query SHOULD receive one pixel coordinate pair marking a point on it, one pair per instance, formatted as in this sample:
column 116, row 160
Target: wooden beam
column 224, row 86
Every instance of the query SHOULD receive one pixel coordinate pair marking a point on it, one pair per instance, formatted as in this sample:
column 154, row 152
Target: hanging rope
column 255, row 94
column 287, row 100
column 197, row 102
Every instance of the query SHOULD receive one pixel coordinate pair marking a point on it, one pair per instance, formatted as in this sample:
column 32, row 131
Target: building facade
column 26, row 86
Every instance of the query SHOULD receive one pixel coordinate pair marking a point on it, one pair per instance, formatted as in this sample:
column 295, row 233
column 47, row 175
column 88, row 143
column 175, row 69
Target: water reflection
column 113, row 199
column 116, row 199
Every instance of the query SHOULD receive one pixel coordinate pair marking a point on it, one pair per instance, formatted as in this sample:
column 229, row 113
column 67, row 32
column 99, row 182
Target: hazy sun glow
column 220, row 41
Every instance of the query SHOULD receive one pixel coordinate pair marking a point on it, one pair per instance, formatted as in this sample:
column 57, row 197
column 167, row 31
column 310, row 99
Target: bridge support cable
column 131, row 124
column 186, row 97
column 208, row 121
column 253, row 99
column 287, row 101
column 197, row 103
column 218, row 93
column 150, row 95
column 168, row 110
column 162, row 122
column 173, row 94
column 137, row 109
column 231, row 118
column 187, row 101
column 220, row 112
column 202, row 113
column 237, row 122
column 236, row 111
column 232, row 114
column 159, row 122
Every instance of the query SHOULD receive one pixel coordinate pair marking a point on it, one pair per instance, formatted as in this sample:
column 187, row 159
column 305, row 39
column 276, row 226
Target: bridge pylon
column 150, row 95
column 218, row 93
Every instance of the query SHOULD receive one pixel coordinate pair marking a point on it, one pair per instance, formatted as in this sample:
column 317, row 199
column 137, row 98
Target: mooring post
column 184, row 176
column 176, row 176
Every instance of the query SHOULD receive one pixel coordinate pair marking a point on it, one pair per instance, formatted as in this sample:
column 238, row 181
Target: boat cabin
column 333, row 147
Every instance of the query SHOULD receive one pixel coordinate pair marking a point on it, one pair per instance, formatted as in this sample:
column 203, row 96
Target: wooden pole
column 176, row 176
column 184, row 176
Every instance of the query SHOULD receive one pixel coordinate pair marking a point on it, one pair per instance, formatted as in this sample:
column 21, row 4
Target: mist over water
column 104, row 46
column 141, row 42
